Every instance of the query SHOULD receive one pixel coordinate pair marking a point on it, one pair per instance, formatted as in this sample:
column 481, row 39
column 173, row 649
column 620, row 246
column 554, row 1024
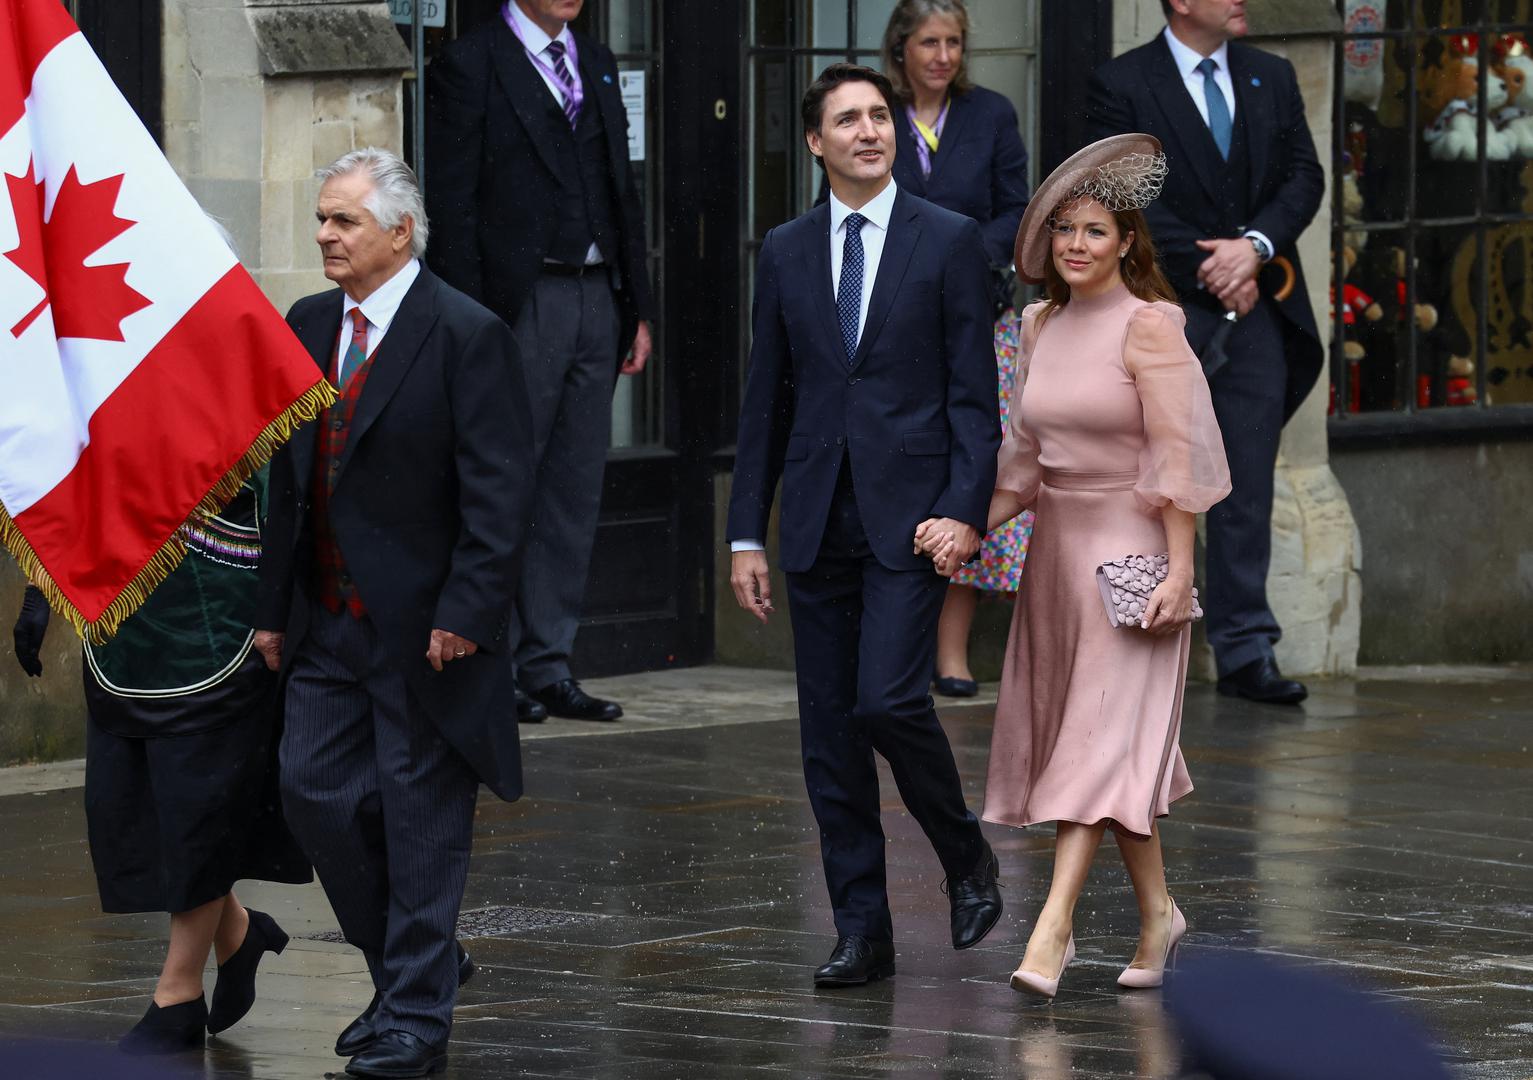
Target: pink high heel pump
column 1030, row 982
column 1149, row 978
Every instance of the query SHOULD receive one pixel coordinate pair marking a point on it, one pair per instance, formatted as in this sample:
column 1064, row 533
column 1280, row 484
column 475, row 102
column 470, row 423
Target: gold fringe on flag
column 310, row 404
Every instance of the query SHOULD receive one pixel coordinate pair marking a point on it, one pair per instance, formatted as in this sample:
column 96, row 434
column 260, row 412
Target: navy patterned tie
column 566, row 81
column 1219, row 122
column 849, row 293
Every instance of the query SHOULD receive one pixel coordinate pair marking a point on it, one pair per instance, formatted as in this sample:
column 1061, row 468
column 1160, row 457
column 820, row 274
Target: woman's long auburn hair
column 1139, row 268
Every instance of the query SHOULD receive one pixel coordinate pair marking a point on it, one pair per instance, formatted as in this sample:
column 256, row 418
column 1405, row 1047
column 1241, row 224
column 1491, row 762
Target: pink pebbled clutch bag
column 1126, row 585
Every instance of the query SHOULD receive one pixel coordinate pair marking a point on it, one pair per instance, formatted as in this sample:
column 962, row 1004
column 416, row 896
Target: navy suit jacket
column 914, row 409
column 979, row 170
column 1142, row 90
column 428, row 508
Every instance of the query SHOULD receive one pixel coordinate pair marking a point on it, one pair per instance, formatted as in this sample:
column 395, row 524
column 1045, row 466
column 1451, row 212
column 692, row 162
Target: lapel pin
column 607, row 79
column 1255, row 81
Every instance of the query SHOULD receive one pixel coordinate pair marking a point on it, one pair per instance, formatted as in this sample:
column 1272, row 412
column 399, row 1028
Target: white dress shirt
column 875, row 230
column 1187, row 60
column 877, row 210
column 536, row 42
column 379, row 309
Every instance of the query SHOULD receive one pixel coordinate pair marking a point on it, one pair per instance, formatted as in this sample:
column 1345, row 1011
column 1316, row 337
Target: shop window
column 1432, row 277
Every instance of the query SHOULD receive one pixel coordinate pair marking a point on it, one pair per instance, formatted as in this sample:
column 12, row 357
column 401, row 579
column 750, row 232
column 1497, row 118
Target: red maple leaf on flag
column 88, row 301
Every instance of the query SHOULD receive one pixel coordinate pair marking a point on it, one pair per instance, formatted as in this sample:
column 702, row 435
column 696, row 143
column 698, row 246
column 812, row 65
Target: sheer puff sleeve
column 1017, row 468
column 1183, row 461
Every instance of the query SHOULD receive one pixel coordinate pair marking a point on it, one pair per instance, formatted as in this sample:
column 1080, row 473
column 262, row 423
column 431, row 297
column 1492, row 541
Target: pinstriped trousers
column 384, row 808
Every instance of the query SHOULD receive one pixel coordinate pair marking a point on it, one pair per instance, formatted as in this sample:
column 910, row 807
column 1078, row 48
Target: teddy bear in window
column 1450, row 94
column 1514, row 66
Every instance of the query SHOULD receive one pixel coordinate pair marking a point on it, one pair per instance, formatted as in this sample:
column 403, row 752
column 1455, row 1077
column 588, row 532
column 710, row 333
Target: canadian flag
column 143, row 375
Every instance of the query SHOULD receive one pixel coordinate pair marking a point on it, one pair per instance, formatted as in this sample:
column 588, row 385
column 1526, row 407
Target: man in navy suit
column 871, row 394
column 1244, row 183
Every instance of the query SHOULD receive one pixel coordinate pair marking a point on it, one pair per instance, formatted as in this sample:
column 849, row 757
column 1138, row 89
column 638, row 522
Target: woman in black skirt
column 180, row 773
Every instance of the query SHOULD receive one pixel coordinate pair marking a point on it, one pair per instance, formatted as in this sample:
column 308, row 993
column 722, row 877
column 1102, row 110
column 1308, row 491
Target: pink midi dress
column 1111, row 421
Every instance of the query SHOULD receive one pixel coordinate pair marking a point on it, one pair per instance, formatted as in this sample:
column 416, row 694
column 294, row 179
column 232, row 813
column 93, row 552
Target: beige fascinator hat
column 1122, row 172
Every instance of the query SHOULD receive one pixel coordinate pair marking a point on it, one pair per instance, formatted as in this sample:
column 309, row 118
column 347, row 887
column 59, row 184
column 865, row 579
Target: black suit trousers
column 864, row 647
column 1248, row 400
column 384, row 807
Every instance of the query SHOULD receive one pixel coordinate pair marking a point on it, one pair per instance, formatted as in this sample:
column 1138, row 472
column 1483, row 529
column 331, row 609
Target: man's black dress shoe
column 359, row 1034
column 527, row 710
column 856, row 961
column 234, row 992
column 171, row 1030
column 948, row 686
column 399, row 1054
column 1260, row 680
column 975, row 900
column 565, row 698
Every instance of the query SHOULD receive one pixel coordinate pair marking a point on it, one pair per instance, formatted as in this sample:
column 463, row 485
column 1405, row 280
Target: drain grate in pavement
column 500, row 920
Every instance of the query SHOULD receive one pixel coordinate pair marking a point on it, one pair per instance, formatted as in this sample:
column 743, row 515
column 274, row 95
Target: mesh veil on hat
column 1121, row 172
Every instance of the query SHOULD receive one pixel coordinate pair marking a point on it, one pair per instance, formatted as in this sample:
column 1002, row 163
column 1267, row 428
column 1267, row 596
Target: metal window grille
column 1465, row 227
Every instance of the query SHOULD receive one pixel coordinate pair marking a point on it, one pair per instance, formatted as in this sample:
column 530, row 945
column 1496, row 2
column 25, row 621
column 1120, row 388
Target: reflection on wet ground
column 654, row 908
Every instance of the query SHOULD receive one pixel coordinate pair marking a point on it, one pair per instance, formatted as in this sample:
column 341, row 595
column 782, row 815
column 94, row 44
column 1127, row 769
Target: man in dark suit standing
column 386, row 590
column 871, row 394
column 537, row 216
column 1244, row 183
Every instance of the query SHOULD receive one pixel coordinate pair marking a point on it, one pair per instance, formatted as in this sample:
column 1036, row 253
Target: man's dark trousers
column 567, row 333
column 1248, row 400
column 360, row 761
column 864, row 642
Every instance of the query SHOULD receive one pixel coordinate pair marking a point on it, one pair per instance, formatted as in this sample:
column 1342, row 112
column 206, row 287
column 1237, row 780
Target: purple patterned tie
column 566, row 81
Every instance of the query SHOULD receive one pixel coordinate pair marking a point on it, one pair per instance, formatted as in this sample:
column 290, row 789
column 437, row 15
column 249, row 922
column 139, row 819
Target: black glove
column 31, row 627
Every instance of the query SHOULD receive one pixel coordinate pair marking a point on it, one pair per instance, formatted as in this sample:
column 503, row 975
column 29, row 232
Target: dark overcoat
column 428, row 508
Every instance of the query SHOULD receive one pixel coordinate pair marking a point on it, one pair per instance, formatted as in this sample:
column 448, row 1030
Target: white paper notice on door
column 631, row 85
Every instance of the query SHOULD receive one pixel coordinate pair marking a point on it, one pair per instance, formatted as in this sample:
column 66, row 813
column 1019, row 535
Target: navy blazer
column 429, row 503
column 979, row 169
column 914, row 410
column 1142, row 90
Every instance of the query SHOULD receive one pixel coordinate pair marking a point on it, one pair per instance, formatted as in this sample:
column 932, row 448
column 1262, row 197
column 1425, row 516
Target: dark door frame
column 1074, row 39
column 125, row 34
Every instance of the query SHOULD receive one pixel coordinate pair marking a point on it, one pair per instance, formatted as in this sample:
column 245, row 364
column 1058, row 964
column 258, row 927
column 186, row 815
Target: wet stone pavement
column 654, row 908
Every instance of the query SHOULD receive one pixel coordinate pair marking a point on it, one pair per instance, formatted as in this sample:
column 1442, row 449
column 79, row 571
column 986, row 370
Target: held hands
column 948, row 543
column 269, row 644
column 446, row 647
column 1169, row 607
column 752, row 582
column 1231, row 264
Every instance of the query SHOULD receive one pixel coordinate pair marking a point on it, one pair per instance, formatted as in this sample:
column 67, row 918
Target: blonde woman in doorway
column 957, row 145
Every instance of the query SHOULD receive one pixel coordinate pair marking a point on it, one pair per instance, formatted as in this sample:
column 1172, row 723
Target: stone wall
column 41, row 719
column 1450, row 556
column 260, row 93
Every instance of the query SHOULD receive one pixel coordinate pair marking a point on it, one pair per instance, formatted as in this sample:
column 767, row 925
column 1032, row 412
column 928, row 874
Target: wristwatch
column 1263, row 252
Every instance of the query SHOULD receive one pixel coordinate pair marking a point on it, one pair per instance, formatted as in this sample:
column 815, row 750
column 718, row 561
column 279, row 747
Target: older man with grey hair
column 386, row 588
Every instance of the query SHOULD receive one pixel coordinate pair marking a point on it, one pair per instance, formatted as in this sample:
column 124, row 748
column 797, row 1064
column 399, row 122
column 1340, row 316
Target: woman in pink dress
column 1112, row 442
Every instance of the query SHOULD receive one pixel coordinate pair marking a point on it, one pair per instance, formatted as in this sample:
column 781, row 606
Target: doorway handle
column 720, row 110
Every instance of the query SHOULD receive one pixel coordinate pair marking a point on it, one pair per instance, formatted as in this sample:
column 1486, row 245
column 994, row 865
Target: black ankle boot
column 171, row 1030
column 234, row 992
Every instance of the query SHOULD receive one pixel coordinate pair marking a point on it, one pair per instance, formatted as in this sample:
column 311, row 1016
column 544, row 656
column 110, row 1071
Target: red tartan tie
column 356, row 352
